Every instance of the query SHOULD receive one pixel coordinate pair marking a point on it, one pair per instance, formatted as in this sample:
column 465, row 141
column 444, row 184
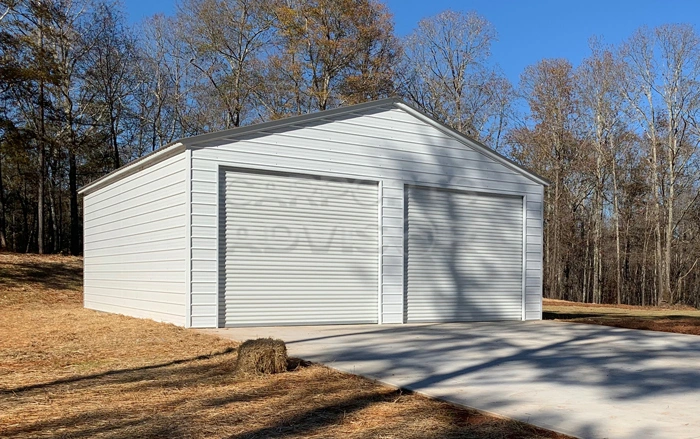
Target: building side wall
column 135, row 244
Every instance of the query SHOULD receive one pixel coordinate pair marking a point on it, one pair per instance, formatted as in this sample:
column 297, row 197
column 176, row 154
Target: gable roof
column 232, row 134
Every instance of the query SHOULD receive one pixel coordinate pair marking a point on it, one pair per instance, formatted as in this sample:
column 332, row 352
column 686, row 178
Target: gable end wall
column 387, row 145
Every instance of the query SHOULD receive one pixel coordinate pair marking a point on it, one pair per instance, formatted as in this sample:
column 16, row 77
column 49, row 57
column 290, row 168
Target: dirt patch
column 70, row 372
column 681, row 320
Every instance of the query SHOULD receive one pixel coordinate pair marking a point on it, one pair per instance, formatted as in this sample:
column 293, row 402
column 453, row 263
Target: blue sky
column 528, row 30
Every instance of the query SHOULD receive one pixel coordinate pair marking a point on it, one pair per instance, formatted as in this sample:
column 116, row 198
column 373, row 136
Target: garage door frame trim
column 522, row 195
column 221, row 175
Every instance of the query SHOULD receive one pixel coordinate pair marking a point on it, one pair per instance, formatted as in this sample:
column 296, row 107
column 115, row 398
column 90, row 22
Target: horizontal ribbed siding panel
column 133, row 215
column 464, row 257
column 297, row 250
column 136, row 185
column 135, row 244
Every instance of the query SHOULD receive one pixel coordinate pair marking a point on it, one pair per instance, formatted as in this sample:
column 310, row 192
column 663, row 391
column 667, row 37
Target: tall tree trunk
column 556, row 262
column 667, row 296
column 3, row 224
column 55, row 221
column 644, row 257
column 597, row 211
column 42, row 172
column 626, row 272
column 114, row 140
column 42, row 149
column 656, row 187
column 597, row 232
column 24, row 245
column 585, row 237
column 74, row 219
column 61, row 237
column 616, row 214
column 660, row 272
column 547, row 247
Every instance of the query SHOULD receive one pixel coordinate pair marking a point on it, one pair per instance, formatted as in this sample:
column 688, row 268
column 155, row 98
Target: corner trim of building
column 188, row 238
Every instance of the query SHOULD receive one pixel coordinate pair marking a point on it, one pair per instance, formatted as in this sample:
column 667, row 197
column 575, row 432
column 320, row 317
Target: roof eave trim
column 131, row 168
column 473, row 143
column 233, row 133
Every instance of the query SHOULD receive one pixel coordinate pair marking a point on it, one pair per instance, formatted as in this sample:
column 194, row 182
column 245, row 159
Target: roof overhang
column 167, row 151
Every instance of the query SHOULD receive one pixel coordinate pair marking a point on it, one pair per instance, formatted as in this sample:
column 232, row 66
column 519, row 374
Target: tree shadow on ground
column 503, row 367
column 115, row 376
column 564, row 315
column 555, row 315
column 554, row 354
column 47, row 274
column 202, row 397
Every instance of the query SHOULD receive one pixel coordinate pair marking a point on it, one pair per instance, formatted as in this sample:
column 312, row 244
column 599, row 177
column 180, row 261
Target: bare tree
column 663, row 95
column 445, row 71
column 599, row 80
column 550, row 145
column 165, row 80
column 110, row 74
column 226, row 39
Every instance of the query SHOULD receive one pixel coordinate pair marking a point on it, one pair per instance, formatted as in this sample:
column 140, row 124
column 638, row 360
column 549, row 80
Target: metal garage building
column 373, row 213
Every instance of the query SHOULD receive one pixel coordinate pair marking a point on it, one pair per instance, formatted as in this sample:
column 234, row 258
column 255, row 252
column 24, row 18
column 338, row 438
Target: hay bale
column 262, row 356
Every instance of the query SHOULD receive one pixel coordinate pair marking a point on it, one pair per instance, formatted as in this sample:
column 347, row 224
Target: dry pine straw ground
column 682, row 320
column 70, row 372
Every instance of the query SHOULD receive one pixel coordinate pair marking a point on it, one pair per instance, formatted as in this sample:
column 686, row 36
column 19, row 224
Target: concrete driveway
column 585, row 380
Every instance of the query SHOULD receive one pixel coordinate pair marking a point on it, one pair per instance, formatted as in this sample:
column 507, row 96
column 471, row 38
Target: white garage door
column 297, row 250
column 464, row 256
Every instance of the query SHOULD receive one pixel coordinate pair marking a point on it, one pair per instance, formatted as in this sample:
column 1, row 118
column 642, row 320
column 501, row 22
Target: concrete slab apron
column 585, row 380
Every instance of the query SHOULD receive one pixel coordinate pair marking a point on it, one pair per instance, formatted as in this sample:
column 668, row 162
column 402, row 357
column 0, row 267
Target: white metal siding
column 135, row 248
column 384, row 144
column 464, row 257
column 297, row 250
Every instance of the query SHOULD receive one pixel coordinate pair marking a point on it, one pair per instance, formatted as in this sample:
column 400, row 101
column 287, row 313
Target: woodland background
column 82, row 93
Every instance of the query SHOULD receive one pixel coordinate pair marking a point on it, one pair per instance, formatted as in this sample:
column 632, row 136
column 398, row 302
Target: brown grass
column 74, row 373
column 40, row 279
column 677, row 319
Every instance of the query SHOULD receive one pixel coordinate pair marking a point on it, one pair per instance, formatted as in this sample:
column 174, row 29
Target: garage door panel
column 468, row 262
column 464, row 256
column 297, row 250
column 458, row 207
column 300, row 211
column 475, row 251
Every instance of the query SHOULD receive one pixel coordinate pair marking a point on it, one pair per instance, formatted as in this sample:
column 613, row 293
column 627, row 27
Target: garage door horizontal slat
column 300, row 299
column 298, row 266
column 468, row 248
column 504, row 236
column 316, row 292
column 243, row 239
column 273, row 258
column 298, row 211
column 301, row 191
column 467, row 265
column 252, row 179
